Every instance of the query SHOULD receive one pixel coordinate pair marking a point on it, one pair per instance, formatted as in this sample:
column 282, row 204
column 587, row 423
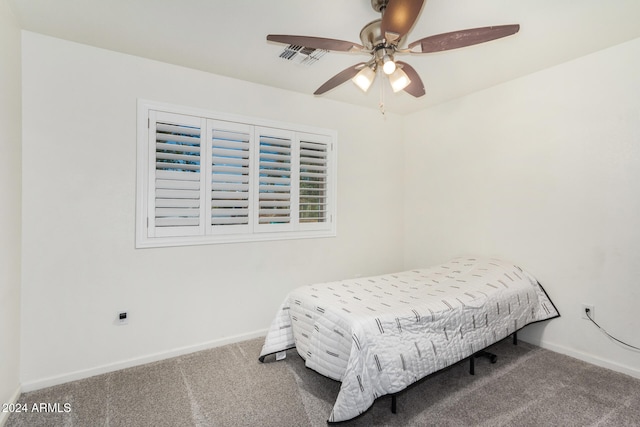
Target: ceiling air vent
column 302, row 55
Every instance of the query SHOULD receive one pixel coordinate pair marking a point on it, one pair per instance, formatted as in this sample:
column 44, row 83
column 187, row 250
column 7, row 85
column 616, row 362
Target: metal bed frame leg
column 492, row 357
column 482, row 353
column 393, row 403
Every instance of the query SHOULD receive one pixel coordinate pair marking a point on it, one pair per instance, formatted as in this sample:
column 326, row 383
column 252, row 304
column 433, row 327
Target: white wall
column 80, row 265
column 10, row 160
column 545, row 171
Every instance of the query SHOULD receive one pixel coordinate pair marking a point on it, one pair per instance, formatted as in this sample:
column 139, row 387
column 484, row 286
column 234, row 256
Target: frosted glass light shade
column 364, row 78
column 399, row 80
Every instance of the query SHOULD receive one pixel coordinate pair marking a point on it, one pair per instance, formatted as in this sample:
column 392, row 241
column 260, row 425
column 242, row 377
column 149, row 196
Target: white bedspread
column 377, row 335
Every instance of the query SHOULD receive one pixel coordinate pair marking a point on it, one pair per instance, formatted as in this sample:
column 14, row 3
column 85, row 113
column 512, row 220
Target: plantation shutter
column 206, row 177
column 176, row 182
column 275, row 166
column 230, row 176
column 313, row 179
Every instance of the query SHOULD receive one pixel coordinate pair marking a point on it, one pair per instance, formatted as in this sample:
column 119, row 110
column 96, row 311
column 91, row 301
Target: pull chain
column 381, row 104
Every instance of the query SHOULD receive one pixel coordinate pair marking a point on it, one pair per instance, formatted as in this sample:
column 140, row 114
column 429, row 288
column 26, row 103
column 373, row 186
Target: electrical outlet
column 122, row 317
column 591, row 309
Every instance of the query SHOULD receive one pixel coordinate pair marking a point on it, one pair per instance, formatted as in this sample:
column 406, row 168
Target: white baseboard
column 4, row 416
column 86, row 373
column 604, row 363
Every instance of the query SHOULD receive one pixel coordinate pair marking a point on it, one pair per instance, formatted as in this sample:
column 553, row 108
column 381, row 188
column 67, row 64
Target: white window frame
column 148, row 236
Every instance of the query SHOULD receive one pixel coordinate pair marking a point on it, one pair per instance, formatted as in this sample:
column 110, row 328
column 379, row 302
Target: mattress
column 377, row 335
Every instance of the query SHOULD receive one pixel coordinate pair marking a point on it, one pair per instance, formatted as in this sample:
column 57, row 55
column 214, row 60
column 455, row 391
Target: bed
column 378, row 335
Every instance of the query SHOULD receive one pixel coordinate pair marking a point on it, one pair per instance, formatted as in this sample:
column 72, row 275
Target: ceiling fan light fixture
column 399, row 80
column 364, row 78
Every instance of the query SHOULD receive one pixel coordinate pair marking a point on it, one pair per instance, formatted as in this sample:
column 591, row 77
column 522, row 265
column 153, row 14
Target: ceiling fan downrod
column 379, row 5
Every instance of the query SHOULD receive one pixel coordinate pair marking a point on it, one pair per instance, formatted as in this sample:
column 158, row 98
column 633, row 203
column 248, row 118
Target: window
column 206, row 177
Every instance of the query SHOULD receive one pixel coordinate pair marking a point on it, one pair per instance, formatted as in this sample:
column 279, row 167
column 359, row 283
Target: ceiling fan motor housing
column 371, row 37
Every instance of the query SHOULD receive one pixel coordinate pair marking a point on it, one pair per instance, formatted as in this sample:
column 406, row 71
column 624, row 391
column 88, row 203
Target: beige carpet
column 227, row 386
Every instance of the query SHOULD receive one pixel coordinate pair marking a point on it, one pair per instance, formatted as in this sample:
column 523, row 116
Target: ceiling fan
column 383, row 38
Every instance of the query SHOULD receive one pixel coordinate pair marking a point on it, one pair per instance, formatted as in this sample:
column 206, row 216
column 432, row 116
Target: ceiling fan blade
column 462, row 38
column 316, row 42
column 398, row 18
column 415, row 88
column 341, row 77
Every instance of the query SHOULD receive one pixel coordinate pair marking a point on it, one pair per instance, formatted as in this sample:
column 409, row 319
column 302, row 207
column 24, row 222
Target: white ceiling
column 228, row 38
